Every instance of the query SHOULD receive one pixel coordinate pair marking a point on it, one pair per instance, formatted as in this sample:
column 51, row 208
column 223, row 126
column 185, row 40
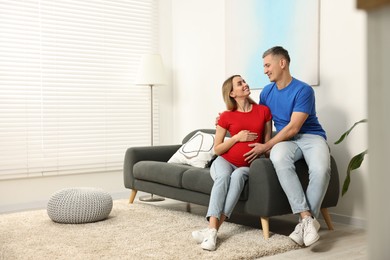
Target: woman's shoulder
column 260, row 107
column 226, row 114
column 262, row 110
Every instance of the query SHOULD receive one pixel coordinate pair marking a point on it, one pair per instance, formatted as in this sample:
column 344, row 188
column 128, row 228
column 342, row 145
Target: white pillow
column 198, row 151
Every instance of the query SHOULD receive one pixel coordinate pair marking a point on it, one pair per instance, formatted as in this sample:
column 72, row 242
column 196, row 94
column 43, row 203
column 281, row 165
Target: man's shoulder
column 268, row 87
column 300, row 83
column 300, row 87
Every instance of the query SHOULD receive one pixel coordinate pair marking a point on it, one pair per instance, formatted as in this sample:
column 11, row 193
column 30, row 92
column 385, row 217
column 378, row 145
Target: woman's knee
column 221, row 177
column 239, row 176
column 220, row 167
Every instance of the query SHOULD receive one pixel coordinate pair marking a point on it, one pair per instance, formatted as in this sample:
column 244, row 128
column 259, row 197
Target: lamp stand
column 151, row 198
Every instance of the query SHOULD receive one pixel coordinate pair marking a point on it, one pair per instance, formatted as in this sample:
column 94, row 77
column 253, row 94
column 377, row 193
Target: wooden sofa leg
column 132, row 196
column 265, row 227
column 327, row 218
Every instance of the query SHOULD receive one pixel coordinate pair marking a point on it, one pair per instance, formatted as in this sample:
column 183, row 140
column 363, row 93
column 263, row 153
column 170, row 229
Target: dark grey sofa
column 146, row 169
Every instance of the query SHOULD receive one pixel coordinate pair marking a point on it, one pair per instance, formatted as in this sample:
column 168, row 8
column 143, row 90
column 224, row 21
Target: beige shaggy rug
column 132, row 231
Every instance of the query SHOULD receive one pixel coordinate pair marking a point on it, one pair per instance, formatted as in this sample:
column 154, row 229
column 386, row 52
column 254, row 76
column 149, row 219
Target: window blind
column 68, row 104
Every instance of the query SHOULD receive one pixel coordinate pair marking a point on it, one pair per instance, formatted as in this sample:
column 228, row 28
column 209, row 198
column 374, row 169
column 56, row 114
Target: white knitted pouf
column 79, row 205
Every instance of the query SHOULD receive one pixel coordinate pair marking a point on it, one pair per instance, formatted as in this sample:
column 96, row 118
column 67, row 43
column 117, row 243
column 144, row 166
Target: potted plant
column 356, row 160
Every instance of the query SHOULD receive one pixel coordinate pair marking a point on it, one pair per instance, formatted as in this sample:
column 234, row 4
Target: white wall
column 198, row 63
column 341, row 97
column 166, row 92
column 198, row 71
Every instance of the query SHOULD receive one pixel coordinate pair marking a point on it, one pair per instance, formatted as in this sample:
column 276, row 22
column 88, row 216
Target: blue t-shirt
column 296, row 97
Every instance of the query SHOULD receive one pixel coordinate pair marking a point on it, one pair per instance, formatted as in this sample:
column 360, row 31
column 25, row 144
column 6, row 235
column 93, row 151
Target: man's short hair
column 279, row 51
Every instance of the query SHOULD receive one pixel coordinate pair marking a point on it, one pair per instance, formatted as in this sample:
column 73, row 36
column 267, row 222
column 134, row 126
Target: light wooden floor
column 345, row 242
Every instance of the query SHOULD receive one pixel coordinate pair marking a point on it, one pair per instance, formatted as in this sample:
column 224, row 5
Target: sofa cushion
column 199, row 180
column 160, row 172
column 198, row 151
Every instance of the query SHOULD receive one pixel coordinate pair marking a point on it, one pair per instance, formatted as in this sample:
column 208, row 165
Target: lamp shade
column 151, row 71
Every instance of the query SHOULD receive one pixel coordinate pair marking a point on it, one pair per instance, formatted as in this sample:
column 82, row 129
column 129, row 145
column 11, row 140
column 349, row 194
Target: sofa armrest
column 332, row 194
column 266, row 196
column 133, row 155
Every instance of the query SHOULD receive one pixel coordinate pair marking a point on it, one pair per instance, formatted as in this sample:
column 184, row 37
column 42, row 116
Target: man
column 299, row 135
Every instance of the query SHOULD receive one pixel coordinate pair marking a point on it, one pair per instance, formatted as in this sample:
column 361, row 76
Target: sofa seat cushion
column 160, row 172
column 199, row 180
column 179, row 176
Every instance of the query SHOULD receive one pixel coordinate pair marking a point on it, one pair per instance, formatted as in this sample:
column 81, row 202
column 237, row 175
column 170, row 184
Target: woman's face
column 240, row 88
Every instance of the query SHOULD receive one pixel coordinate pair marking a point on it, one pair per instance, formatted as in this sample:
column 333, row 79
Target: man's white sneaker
column 297, row 234
column 199, row 235
column 310, row 230
column 210, row 240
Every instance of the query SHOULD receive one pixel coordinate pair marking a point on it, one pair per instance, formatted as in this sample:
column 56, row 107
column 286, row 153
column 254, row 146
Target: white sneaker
column 310, row 230
column 200, row 235
column 210, row 240
column 297, row 234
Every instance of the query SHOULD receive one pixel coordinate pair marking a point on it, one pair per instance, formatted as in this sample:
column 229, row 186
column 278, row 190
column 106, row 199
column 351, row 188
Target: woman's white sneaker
column 199, row 235
column 210, row 240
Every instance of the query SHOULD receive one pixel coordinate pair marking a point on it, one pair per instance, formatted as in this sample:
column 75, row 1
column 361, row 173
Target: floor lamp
column 151, row 73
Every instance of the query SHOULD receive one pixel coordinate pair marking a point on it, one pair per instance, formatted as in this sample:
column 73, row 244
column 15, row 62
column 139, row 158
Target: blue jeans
column 315, row 151
column 229, row 180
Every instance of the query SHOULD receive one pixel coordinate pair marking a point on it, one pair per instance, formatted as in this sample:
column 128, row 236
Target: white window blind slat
column 67, row 103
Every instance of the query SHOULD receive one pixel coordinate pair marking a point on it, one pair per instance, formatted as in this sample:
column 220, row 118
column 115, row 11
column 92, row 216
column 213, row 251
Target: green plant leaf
column 347, row 181
column 343, row 136
column 354, row 164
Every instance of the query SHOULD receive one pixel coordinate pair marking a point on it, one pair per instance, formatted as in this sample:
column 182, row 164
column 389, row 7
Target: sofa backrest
column 188, row 136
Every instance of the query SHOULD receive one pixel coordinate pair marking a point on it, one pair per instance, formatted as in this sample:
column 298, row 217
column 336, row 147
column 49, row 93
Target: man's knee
column 275, row 156
column 280, row 152
column 320, row 172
